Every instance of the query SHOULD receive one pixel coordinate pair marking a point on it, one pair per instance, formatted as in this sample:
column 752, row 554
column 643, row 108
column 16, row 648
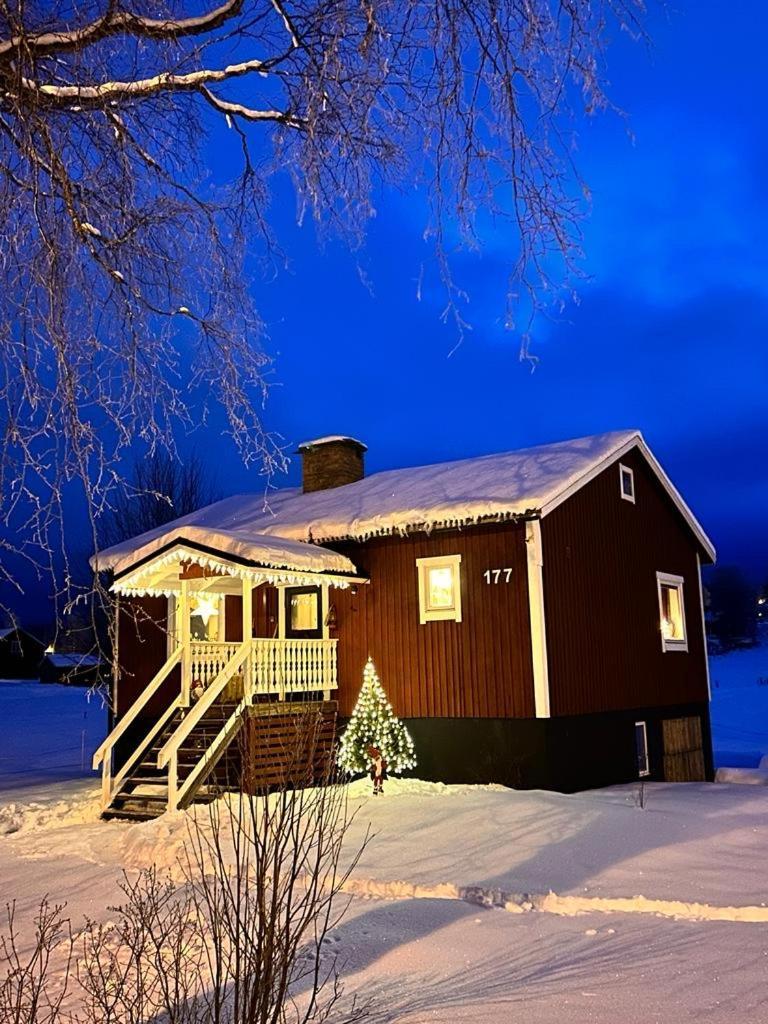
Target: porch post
column 248, row 636
column 325, row 607
column 183, row 627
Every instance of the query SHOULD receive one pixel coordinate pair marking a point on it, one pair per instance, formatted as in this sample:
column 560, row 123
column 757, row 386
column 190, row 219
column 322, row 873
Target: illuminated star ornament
column 206, row 607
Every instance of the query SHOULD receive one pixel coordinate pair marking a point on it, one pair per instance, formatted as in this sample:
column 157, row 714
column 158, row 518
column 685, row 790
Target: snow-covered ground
column 658, row 914
column 49, row 732
column 473, row 905
column 740, row 706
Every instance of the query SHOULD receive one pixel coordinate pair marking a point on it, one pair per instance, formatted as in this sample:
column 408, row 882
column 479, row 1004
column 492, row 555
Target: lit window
column 304, row 611
column 671, row 612
column 439, row 588
column 626, row 483
column 641, row 749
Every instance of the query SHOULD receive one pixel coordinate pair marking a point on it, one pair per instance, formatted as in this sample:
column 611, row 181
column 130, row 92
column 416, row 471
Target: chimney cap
column 318, row 442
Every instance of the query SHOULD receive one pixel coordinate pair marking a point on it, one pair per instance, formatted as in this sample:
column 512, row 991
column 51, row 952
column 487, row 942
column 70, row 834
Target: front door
column 303, row 613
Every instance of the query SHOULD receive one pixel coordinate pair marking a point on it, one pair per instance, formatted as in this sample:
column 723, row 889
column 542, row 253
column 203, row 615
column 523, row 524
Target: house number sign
column 497, row 576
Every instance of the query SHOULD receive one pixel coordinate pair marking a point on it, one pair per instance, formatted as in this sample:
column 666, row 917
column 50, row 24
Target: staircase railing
column 169, row 752
column 103, row 754
column 210, row 756
column 277, row 667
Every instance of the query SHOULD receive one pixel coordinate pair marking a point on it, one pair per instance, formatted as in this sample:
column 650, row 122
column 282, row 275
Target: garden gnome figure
column 378, row 769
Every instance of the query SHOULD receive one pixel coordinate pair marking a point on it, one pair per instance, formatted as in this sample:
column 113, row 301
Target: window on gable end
column 626, row 483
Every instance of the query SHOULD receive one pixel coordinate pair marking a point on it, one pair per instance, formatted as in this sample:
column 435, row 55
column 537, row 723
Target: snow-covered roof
column 527, row 482
column 228, row 537
column 73, row 660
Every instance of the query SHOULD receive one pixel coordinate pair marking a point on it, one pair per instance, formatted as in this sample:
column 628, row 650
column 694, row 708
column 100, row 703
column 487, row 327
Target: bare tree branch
column 127, row 314
column 114, row 22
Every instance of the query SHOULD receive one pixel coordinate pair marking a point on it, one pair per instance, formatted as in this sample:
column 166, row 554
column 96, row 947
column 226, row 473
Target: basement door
column 683, row 750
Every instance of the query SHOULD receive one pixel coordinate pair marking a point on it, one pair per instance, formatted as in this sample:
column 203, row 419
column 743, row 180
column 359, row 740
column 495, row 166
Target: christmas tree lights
column 374, row 724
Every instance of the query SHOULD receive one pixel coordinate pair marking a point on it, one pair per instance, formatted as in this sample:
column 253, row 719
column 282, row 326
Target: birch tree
column 125, row 304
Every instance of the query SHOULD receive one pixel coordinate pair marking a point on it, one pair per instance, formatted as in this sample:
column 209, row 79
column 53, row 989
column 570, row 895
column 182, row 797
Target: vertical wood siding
column 601, row 555
column 142, row 647
column 479, row 667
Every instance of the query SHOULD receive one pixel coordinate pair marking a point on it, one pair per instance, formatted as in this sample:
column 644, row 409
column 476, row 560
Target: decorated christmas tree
column 374, row 724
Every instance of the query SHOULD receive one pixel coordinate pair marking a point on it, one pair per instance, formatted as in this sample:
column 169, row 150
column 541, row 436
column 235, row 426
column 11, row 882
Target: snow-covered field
column 49, row 732
column 740, row 706
column 473, row 905
column 480, row 904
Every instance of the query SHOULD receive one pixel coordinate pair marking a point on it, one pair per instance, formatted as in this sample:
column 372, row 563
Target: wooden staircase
column 282, row 744
column 143, row 794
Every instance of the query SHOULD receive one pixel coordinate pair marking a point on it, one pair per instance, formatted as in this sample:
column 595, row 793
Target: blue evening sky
column 670, row 332
column 669, row 335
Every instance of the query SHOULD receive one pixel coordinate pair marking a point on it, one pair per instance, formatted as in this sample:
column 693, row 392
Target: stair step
column 141, row 798
column 131, row 814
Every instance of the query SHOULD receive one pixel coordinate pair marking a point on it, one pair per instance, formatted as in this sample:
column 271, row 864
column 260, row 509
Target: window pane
column 627, row 483
column 440, row 587
column 304, row 611
column 671, row 613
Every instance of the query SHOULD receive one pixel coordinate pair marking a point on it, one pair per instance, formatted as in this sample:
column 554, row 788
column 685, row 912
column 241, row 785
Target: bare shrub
column 238, row 937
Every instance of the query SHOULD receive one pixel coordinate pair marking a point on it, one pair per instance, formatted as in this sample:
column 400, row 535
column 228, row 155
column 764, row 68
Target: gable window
column 671, row 612
column 302, row 613
column 439, row 588
column 627, row 483
column 641, row 750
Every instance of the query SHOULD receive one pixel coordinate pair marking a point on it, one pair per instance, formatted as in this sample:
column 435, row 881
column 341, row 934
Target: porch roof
column 147, row 562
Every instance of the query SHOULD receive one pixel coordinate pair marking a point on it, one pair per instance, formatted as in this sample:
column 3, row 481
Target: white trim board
column 535, row 564
column 704, row 627
column 636, row 441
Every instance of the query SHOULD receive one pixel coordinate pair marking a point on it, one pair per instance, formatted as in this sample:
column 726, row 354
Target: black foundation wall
column 566, row 754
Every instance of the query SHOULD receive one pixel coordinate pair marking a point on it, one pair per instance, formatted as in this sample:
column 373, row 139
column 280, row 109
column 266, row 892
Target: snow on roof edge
column 362, row 510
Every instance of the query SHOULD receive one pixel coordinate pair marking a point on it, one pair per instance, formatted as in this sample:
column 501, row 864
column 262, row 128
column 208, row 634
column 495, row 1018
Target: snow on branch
column 114, row 22
column 96, row 95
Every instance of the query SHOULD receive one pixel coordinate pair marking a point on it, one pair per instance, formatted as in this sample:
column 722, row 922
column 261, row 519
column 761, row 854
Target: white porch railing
column 276, row 667
column 206, row 660
column 293, row 666
column 255, row 668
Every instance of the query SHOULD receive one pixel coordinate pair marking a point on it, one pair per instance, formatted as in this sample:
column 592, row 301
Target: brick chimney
column 331, row 462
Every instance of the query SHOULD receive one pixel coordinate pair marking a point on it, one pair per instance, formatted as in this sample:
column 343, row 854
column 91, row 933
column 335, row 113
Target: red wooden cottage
column 535, row 618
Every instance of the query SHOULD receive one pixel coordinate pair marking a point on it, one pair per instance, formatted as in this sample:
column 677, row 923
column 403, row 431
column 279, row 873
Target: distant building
column 20, row 654
column 71, row 668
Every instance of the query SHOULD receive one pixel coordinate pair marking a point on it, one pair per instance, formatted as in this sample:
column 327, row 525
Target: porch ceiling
column 155, row 566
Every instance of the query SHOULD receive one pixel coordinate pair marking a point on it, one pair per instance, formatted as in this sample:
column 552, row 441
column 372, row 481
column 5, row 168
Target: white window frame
column 667, row 579
column 631, row 473
column 645, row 772
column 423, row 565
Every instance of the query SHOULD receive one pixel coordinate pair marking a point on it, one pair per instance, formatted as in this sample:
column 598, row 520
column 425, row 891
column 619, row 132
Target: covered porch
column 223, row 669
